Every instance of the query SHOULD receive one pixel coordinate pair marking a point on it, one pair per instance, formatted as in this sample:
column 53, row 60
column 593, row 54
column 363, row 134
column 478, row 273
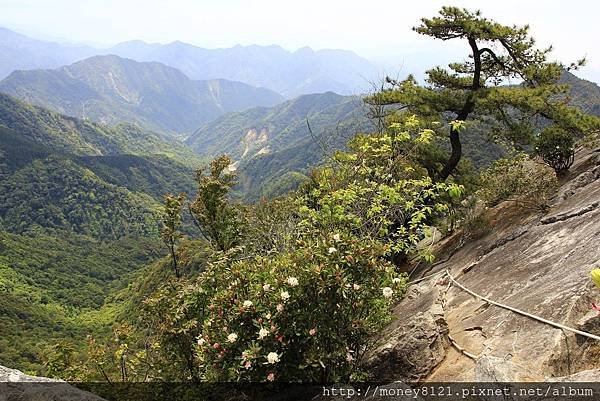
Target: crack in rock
column 570, row 214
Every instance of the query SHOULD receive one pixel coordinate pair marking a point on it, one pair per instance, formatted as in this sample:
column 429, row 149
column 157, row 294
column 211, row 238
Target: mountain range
column 110, row 89
column 288, row 73
column 19, row 52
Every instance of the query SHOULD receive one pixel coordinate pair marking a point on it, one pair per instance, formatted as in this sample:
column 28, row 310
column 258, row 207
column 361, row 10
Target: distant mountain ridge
column 292, row 74
column 19, row 52
column 289, row 73
column 111, row 89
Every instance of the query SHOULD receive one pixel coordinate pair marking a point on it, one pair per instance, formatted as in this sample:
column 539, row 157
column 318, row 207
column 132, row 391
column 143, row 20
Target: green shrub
column 378, row 190
column 518, row 179
column 305, row 315
column 295, row 289
column 556, row 147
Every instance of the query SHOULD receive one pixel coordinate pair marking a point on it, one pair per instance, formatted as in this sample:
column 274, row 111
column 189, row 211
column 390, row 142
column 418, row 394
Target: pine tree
column 507, row 82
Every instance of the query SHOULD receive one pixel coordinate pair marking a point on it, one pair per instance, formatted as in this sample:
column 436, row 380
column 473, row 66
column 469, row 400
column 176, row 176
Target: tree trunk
column 467, row 109
column 455, row 156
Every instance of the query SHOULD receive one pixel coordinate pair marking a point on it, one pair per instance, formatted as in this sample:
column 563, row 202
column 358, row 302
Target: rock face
column 536, row 263
column 8, row 375
column 15, row 385
column 414, row 344
column 494, row 369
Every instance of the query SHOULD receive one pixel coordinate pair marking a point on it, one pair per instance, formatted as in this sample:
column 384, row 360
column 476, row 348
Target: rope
column 462, row 350
column 520, row 312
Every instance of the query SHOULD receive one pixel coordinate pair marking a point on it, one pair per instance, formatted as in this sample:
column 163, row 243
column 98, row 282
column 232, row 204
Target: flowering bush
column 304, row 315
column 309, row 311
column 295, row 289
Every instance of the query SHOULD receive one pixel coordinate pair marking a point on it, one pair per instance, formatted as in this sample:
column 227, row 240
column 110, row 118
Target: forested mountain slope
column 79, row 214
column 245, row 133
column 63, row 173
column 71, row 135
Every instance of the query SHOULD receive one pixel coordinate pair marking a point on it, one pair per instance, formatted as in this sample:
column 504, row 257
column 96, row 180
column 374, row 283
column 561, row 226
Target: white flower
column 272, row 357
column 285, row 295
column 247, row 304
column 336, row 237
column 356, row 287
column 293, row 281
column 266, row 287
column 268, row 316
column 232, row 337
column 387, row 292
column 332, row 250
column 201, row 341
column 396, row 280
column 262, row 333
column 279, row 307
column 349, row 357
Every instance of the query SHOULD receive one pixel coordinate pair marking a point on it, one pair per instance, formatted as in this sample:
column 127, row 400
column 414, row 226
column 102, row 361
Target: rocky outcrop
column 538, row 264
column 17, row 386
column 415, row 343
column 493, row 369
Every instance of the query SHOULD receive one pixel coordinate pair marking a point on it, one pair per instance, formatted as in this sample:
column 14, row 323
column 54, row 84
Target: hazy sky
column 377, row 29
